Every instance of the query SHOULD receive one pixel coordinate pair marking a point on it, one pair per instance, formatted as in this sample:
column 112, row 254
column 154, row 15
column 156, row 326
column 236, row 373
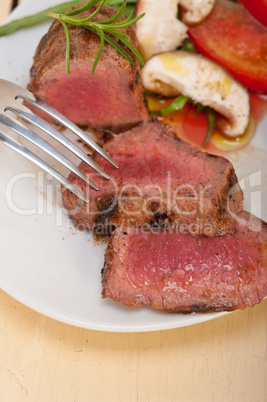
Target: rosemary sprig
column 100, row 28
column 36, row 18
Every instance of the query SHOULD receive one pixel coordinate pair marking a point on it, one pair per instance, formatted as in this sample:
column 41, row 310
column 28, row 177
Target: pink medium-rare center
column 175, row 272
column 81, row 97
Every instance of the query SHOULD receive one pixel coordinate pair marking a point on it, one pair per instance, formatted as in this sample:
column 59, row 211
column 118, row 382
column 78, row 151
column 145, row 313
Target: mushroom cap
column 196, row 10
column 202, row 80
column 159, row 30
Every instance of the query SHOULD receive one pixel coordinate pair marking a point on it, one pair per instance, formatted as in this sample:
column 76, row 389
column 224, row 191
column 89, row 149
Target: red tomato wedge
column 231, row 37
column 257, row 8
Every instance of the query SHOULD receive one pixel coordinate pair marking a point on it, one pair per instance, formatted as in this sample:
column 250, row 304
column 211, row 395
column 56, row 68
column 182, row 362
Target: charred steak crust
column 111, row 99
column 173, row 272
column 161, row 181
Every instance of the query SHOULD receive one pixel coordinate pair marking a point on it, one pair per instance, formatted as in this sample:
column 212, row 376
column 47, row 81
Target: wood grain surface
column 224, row 360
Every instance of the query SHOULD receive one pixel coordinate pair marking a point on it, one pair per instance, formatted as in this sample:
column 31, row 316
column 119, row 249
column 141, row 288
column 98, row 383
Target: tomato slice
column 257, row 8
column 231, row 37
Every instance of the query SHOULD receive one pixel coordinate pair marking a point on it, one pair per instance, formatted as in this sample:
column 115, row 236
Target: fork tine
column 38, row 102
column 28, row 115
column 31, row 136
column 8, row 123
column 39, row 162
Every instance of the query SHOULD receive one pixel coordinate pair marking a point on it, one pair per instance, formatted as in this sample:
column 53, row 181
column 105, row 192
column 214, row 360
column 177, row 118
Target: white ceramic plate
column 45, row 263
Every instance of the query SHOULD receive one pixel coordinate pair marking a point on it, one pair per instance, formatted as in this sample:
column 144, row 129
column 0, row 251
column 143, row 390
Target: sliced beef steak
column 173, row 272
column 111, row 99
column 161, row 181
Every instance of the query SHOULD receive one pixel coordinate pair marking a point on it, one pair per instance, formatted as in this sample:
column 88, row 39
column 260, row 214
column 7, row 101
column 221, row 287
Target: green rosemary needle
column 100, row 28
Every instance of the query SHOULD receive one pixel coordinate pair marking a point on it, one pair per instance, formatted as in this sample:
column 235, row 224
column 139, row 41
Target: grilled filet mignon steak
column 161, row 181
column 173, row 272
column 110, row 99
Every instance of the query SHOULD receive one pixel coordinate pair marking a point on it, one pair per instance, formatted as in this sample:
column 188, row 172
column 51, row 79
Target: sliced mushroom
column 159, row 30
column 196, row 10
column 202, row 80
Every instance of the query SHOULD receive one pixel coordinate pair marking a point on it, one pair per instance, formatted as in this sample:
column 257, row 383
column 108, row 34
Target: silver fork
column 9, row 95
